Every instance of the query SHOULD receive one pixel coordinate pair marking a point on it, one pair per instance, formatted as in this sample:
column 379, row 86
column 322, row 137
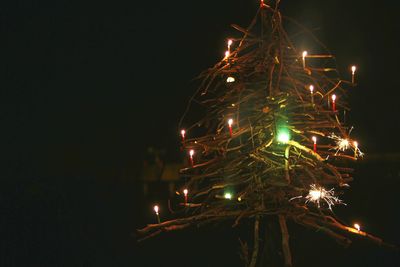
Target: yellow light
column 314, row 138
column 311, row 88
column 230, row 79
column 305, row 53
column 228, row 196
column 227, row 54
column 357, row 226
column 239, row 199
column 156, row 209
column 185, row 192
column 230, row 122
column 353, row 69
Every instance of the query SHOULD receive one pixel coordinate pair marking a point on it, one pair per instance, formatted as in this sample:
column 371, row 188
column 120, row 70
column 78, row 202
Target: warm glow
column 228, row 196
column 239, row 199
column 230, row 122
column 230, row 42
column 355, row 144
column 156, row 209
column 304, row 54
column 315, row 195
column 357, row 226
column 311, row 88
column 318, row 194
column 343, row 144
column 230, row 79
column 353, row 69
column 185, row 192
column 183, row 132
column 333, row 98
column 227, row 54
column 191, row 153
column 314, row 138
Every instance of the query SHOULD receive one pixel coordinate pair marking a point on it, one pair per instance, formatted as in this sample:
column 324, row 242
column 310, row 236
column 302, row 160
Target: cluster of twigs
column 270, row 93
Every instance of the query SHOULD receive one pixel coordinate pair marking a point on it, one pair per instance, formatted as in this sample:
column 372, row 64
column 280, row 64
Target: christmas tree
column 271, row 143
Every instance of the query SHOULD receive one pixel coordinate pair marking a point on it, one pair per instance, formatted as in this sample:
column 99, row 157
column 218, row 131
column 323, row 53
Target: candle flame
column 357, row 226
column 314, row 138
column 156, row 209
column 230, row 42
column 305, row 53
column 230, row 122
column 191, row 152
column 230, row 79
column 183, row 132
column 185, row 192
column 333, row 98
column 312, row 88
column 353, row 69
column 227, row 54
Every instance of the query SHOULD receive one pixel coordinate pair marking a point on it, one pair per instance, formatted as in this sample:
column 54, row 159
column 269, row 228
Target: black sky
column 86, row 87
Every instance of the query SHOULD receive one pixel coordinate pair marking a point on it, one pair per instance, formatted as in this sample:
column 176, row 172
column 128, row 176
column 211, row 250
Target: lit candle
column 229, row 45
column 357, row 226
column 230, row 122
column 183, row 132
column 191, row 153
column 334, row 102
column 312, row 93
column 304, row 59
column 353, row 71
column 314, row 138
column 156, row 210
column 185, row 193
column 262, row 3
column 355, row 148
column 227, row 54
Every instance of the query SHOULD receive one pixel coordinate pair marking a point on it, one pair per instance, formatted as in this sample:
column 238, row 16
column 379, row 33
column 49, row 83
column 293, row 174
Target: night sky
column 87, row 87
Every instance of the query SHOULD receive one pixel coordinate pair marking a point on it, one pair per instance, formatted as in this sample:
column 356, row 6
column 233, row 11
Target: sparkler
column 156, row 210
column 191, row 153
column 318, row 194
column 304, row 59
column 353, row 71
column 230, row 122
column 314, row 138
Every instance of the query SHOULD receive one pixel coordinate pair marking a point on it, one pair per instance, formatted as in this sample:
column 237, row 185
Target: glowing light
column 227, row 54
column 318, row 194
column 283, row 136
column 311, row 88
column 314, row 138
column 191, row 152
column 185, row 192
column 353, row 71
column 156, row 209
column 230, row 122
column 230, row 79
column 334, row 102
column 357, row 226
column 304, row 58
column 228, row 196
column 183, row 133
column 239, row 199
column 230, row 43
column 312, row 93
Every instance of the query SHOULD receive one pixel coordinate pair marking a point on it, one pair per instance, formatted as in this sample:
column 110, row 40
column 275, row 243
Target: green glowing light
column 228, row 196
column 283, row 136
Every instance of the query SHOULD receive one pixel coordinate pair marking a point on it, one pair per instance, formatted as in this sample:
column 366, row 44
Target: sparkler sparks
column 342, row 144
column 319, row 195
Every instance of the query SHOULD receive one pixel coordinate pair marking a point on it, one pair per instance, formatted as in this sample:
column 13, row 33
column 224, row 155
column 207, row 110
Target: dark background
column 86, row 87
